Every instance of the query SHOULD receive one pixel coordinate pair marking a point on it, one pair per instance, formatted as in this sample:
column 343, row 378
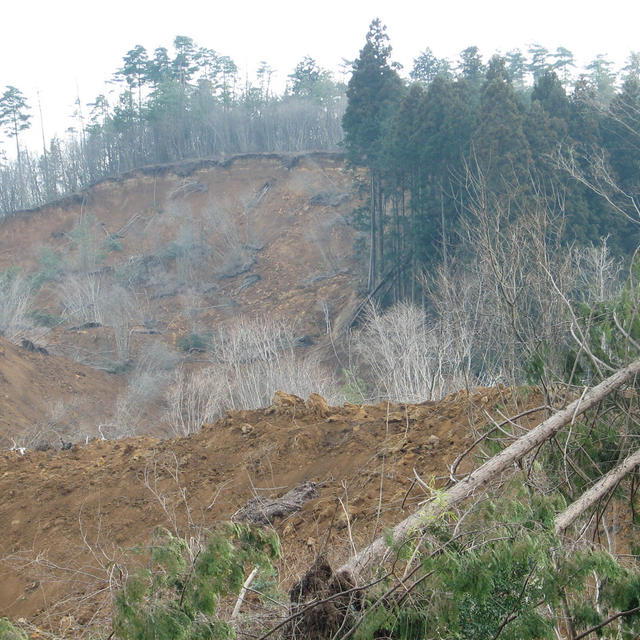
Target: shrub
column 15, row 299
column 43, row 318
column 50, row 263
column 188, row 342
column 9, row 632
column 177, row 595
column 501, row 572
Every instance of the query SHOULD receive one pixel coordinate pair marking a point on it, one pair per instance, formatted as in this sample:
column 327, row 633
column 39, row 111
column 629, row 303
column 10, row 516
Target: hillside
column 70, row 514
column 135, row 275
column 44, row 399
column 254, row 231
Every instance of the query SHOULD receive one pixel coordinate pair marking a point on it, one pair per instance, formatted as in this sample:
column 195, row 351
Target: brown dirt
column 289, row 210
column 46, row 397
column 67, row 514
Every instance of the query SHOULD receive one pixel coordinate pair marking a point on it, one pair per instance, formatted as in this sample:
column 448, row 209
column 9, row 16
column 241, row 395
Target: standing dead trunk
column 476, row 482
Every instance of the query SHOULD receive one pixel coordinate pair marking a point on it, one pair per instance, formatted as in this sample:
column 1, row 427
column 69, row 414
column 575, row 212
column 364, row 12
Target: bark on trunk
column 598, row 490
column 475, row 482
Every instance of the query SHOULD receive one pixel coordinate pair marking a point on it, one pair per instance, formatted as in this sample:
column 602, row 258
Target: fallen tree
column 478, row 480
column 608, row 482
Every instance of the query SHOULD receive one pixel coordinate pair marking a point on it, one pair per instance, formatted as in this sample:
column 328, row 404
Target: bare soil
column 45, row 399
column 69, row 516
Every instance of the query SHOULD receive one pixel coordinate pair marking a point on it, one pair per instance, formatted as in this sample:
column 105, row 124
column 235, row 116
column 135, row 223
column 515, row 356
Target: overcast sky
column 68, row 47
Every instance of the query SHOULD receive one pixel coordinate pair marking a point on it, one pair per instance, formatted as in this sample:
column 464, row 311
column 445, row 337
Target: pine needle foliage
column 9, row 632
column 176, row 596
column 504, row 574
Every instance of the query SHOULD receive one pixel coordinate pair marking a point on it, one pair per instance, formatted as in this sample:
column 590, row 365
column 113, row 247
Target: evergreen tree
column 159, row 68
column 134, row 71
column 426, row 67
column 308, row 80
column 621, row 134
column 185, row 62
column 564, row 62
column 14, row 118
column 472, row 71
column 373, row 93
column 14, row 115
column 539, row 62
column 517, row 68
column 499, row 141
column 603, row 79
column 547, row 121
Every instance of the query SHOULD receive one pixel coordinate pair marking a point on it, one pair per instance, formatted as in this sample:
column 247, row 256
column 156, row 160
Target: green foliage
column 43, row 318
column 9, row 632
column 189, row 342
column 176, row 595
column 373, row 92
column 14, row 112
column 89, row 250
column 112, row 243
column 50, row 265
column 505, row 574
column 604, row 325
column 353, row 387
column 122, row 366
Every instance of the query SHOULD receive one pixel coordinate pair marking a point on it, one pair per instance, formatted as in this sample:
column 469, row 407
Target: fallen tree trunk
column 598, row 490
column 378, row 550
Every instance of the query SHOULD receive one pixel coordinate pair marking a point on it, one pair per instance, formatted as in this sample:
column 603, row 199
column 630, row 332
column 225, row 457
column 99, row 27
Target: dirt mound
column 68, row 515
column 45, row 399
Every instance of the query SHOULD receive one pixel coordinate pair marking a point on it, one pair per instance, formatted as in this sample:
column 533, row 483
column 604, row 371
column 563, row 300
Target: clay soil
column 69, row 517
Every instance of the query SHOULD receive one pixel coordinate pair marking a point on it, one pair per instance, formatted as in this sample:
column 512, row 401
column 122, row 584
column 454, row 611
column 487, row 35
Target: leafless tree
column 15, row 304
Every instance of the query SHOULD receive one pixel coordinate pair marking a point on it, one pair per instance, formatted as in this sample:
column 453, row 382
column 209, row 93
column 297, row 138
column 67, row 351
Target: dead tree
column 564, row 520
column 476, row 482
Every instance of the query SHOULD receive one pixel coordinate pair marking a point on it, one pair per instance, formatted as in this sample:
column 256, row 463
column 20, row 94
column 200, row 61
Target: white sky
column 65, row 47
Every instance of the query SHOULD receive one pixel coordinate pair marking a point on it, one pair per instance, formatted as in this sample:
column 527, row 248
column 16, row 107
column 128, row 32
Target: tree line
column 188, row 102
column 509, row 120
column 505, row 133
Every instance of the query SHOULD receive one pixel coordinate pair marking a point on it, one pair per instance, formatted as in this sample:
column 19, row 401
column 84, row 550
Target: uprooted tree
column 496, row 567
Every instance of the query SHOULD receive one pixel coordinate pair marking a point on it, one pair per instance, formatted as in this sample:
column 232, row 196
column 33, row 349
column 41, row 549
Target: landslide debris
column 69, row 516
column 46, row 400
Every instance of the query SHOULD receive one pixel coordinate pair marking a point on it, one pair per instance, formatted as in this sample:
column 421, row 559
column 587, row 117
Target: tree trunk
column 598, row 490
column 371, row 282
column 476, row 481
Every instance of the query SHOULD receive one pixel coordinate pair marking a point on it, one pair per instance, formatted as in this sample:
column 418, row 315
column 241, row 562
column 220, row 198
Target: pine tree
column 373, row 94
column 426, row 68
column 14, row 115
column 499, row 142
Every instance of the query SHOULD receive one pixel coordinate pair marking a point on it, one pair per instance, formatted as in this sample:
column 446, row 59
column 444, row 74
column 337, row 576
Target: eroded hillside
column 44, row 398
column 71, row 516
column 136, row 275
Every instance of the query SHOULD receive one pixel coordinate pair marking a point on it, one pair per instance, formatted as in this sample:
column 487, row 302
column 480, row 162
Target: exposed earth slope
column 162, row 258
column 255, row 233
column 69, row 515
column 44, row 398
